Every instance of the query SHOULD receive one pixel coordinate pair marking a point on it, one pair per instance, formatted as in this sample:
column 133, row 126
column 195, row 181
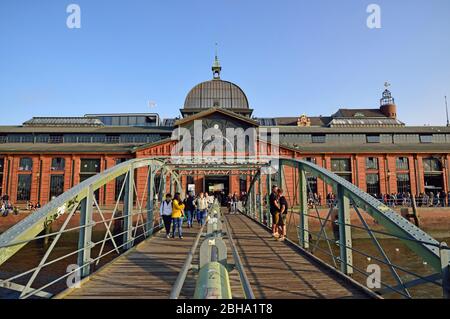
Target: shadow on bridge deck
column 147, row 271
column 275, row 269
column 279, row 270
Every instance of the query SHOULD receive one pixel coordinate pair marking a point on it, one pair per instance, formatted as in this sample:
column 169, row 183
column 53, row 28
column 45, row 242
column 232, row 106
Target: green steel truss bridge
column 356, row 247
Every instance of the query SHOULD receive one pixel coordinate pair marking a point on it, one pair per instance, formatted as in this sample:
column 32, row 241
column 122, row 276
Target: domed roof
column 216, row 93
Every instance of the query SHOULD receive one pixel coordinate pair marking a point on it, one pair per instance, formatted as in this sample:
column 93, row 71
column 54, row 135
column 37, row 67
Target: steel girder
column 416, row 239
column 30, row 227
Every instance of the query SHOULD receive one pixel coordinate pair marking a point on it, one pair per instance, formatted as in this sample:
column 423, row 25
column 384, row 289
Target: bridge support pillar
column 172, row 188
column 128, row 211
column 85, row 235
column 150, row 197
column 261, row 199
column 269, row 191
column 345, row 234
column 444, row 253
column 254, row 200
column 303, row 228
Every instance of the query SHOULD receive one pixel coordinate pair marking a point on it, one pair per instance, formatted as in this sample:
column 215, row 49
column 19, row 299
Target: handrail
column 176, row 289
column 31, row 226
column 248, row 291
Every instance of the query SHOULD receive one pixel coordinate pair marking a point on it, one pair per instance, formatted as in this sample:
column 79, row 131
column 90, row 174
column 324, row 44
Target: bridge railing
column 38, row 262
column 358, row 235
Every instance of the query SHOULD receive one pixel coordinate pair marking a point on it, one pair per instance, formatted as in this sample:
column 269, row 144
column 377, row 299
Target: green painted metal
column 128, row 210
column 150, row 199
column 213, row 282
column 303, row 229
column 345, row 232
column 413, row 237
column 85, row 235
column 261, row 199
column 269, row 190
column 17, row 236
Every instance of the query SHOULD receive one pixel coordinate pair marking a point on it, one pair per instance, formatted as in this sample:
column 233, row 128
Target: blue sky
column 290, row 57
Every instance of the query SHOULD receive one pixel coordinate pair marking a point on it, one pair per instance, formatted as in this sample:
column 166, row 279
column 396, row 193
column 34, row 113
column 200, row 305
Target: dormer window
column 359, row 114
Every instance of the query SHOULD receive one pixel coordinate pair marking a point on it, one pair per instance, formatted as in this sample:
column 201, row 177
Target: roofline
column 213, row 110
column 121, row 114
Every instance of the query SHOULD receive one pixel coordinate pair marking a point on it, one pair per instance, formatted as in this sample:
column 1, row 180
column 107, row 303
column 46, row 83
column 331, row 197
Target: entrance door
column 219, row 186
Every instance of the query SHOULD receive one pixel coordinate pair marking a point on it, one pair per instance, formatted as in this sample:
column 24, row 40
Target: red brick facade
column 41, row 172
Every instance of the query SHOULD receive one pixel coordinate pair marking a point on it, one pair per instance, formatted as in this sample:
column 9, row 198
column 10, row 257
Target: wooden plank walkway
column 276, row 270
column 147, row 272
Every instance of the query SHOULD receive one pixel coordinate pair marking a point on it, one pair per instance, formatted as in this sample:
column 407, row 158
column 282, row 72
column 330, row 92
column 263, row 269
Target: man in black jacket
column 189, row 204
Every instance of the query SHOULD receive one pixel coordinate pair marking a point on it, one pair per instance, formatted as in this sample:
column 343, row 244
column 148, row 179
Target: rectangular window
column 432, row 165
column 120, row 180
column 371, row 163
column 402, row 164
column 373, row 138
column 42, row 138
column 70, row 139
column 373, row 184
column 90, row 166
column 2, row 165
column 98, row 139
column 14, row 138
column 342, row 167
column 84, row 139
column 25, row 164
column 112, row 139
column 56, row 185
column 426, row 138
column 403, row 183
column 28, row 138
column 55, row 139
column 140, row 139
column 242, row 183
column 311, row 159
column 58, row 164
column 312, row 185
column 24, row 187
column 126, row 138
column 318, row 138
column 3, row 139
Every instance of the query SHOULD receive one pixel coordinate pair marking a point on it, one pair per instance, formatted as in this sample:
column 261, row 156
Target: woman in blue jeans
column 177, row 216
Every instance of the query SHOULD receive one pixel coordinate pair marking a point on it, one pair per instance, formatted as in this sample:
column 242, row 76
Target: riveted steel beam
column 416, row 239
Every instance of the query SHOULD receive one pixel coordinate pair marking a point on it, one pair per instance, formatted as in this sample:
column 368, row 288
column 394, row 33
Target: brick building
column 44, row 157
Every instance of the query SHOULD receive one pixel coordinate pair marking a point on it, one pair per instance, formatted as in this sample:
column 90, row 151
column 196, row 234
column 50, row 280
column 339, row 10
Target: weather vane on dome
column 216, row 68
column 387, row 85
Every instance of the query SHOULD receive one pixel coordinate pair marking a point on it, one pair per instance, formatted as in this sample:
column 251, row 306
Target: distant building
column 370, row 147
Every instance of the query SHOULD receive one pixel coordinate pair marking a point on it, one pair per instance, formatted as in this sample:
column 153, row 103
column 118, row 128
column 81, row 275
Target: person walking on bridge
column 234, row 204
column 177, row 215
column 189, row 203
column 274, row 211
column 283, row 206
column 202, row 206
column 165, row 212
